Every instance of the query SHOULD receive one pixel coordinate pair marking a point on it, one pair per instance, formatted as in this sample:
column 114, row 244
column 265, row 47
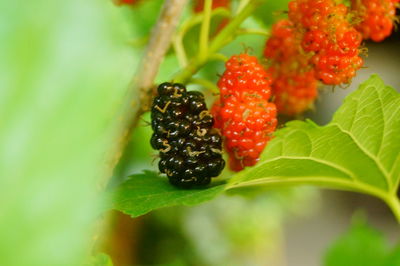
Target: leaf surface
column 144, row 192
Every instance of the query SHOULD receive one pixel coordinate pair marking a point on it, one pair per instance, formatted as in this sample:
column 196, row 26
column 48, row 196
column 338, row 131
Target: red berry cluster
column 294, row 85
column 376, row 17
column 329, row 37
column 243, row 113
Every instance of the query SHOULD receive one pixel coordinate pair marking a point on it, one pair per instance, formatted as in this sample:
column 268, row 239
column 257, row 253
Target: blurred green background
column 65, row 67
column 64, row 70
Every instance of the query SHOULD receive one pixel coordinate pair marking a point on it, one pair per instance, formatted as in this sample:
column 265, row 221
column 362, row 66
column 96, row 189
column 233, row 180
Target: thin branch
column 159, row 43
column 226, row 35
column 242, row 4
column 198, row 18
column 180, row 52
column 205, row 28
column 218, row 57
column 206, row 84
column 186, row 26
column 141, row 89
column 261, row 32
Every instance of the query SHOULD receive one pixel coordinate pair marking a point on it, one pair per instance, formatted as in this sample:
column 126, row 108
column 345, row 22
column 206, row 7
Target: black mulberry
column 190, row 149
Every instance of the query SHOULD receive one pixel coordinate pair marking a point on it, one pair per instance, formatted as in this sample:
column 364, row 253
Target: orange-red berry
column 329, row 37
column 376, row 18
column 243, row 113
column 294, row 86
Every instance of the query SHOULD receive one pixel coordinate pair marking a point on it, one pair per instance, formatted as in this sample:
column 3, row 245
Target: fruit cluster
column 376, row 17
column 243, row 113
column 316, row 43
column 329, row 37
column 294, row 85
column 190, row 150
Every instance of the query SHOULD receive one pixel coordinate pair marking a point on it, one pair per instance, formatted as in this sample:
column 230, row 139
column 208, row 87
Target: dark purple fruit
column 190, row 150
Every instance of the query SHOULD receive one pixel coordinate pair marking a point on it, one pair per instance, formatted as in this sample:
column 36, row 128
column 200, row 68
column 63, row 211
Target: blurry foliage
column 100, row 259
column 138, row 153
column 163, row 240
column 65, row 67
column 231, row 230
column 140, row 19
column 362, row 245
column 278, row 9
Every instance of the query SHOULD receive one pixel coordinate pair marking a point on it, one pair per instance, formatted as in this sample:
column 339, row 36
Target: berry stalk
column 205, row 28
column 226, row 35
column 186, row 26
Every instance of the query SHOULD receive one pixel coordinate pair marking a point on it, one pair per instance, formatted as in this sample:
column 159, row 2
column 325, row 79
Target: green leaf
column 357, row 151
column 362, row 245
column 145, row 192
column 100, row 259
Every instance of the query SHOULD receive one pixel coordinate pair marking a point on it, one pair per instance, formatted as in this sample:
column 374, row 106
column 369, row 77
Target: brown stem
column 141, row 87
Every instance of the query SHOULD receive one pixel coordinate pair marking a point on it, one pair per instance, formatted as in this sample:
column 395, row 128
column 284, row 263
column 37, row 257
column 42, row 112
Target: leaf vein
column 330, row 164
column 373, row 157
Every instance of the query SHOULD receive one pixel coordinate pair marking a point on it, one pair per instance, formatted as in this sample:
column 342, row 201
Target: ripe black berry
column 190, row 150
